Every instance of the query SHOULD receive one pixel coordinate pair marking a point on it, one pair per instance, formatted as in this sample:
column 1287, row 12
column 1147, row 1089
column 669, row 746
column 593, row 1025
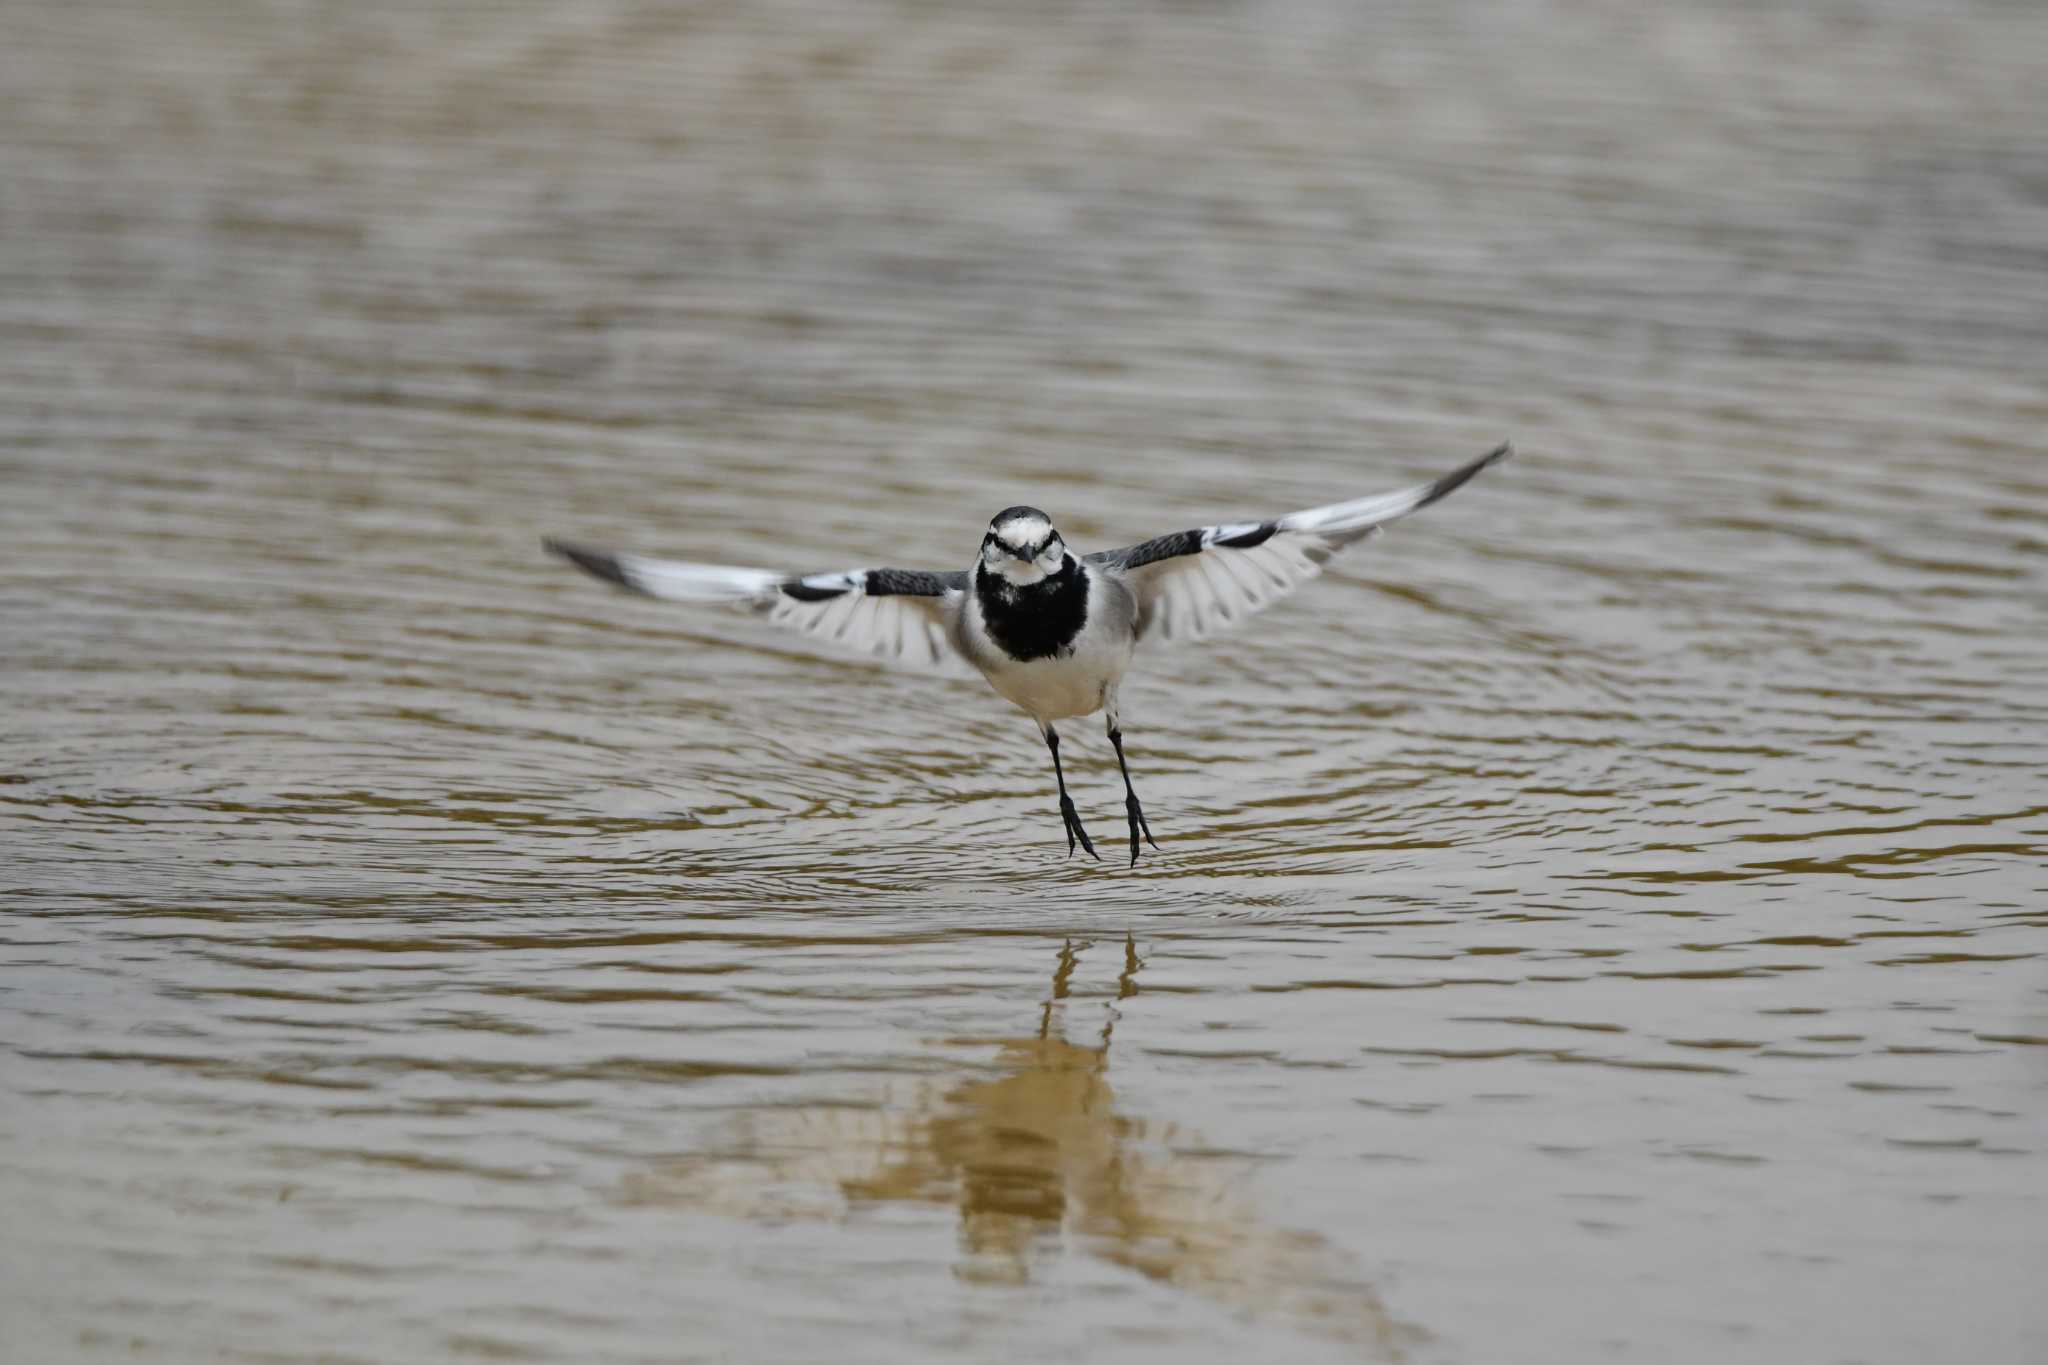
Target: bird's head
column 1022, row 547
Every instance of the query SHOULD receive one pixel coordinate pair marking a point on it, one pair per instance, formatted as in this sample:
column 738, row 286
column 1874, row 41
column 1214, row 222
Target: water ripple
column 1628, row 873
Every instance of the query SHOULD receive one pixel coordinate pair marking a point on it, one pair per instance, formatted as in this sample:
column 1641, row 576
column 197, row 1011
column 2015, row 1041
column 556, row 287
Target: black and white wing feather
column 1193, row 583
column 901, row 614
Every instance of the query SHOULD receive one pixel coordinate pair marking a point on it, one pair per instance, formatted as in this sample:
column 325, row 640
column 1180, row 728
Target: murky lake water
column 1604, row 919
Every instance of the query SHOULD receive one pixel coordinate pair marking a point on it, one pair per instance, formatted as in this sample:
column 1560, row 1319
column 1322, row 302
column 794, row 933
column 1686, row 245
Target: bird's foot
column 1074, row 830
column 1136, row 813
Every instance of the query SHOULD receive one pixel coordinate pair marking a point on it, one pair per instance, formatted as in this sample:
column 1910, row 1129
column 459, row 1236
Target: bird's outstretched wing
column 1193, row 583
column 898, row 614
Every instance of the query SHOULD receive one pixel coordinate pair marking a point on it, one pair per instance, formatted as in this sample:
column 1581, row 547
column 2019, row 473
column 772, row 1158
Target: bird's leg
column 1067, row 811
column 1132, row 809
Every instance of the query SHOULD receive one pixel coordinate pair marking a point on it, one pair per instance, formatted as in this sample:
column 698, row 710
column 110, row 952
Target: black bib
column 1036, row 622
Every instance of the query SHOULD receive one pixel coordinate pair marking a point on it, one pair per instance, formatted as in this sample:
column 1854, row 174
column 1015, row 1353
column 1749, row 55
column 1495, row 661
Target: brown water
column 1605, row 919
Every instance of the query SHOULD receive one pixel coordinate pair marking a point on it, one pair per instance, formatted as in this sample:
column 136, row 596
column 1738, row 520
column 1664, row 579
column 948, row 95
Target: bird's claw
column 1074, row 830
column 1136, row 813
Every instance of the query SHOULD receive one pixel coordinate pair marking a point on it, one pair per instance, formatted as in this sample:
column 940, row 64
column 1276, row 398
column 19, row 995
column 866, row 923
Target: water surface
column 1602, row 919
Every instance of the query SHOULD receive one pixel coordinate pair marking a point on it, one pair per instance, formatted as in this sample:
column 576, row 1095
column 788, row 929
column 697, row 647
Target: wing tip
column 1465, row 473
column 596, row 563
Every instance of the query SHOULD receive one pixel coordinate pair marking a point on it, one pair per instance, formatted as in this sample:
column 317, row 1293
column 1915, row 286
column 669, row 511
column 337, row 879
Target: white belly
column 1057, row 689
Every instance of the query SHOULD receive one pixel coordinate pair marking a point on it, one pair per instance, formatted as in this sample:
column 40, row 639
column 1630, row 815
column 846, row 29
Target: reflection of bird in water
column 1034, row 1152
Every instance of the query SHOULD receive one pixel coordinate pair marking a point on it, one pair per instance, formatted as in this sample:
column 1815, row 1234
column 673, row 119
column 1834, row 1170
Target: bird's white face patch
column 1021, row 533
column 1011, row 541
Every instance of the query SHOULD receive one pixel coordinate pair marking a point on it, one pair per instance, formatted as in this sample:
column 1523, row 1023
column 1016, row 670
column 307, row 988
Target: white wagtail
column 1052, row 631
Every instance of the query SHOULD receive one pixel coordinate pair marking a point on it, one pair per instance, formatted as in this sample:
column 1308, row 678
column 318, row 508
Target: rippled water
column 1604, row 919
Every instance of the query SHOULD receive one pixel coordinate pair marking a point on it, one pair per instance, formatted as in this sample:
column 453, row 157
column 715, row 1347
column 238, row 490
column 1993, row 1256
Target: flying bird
column 1052, row 631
